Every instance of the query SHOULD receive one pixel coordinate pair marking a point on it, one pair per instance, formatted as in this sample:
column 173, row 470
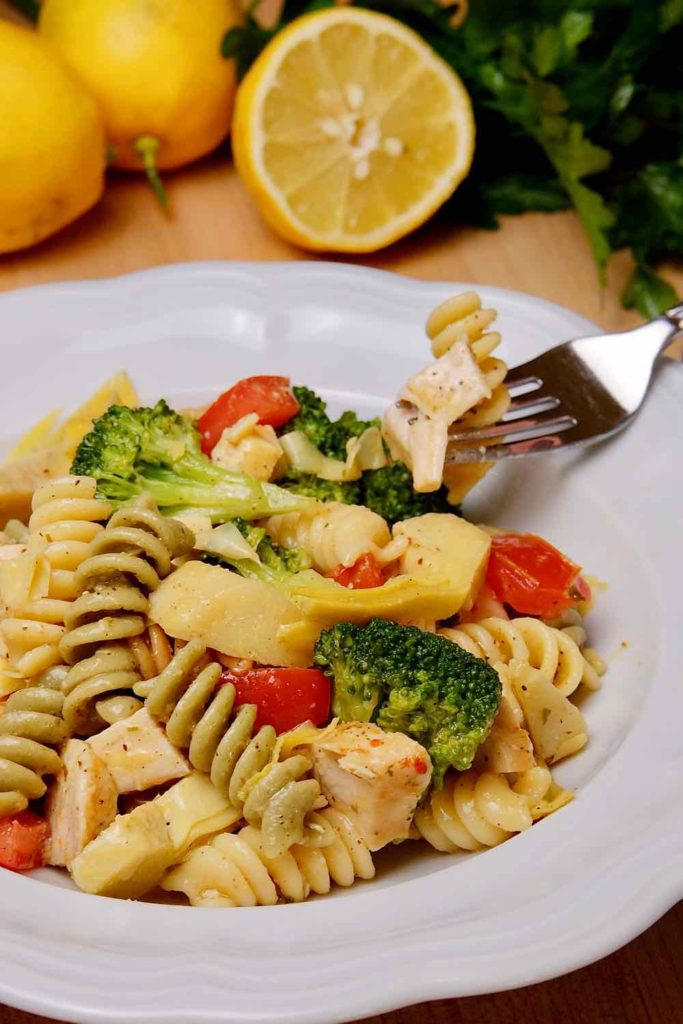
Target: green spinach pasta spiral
column 31, row 726
column 66, row 518
column 124, row 562
column 236, row 871
column 272, row 795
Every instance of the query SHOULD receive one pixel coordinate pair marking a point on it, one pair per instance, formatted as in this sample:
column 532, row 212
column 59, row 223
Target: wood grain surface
column 212, row 218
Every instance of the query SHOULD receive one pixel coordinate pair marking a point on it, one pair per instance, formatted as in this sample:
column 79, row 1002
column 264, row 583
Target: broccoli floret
column 279, row 562
column 408, row 680
column 389, row 492
column 328, row 435
column 349, row 493
column 130, row 451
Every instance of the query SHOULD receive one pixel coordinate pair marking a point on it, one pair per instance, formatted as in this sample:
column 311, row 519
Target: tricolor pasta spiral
column 463, row 315
column 235, row 870
column 478, row 810
column 66, row 518
column 553, row 652
column 274, row 796
column 124, row 563
column 334, row 534
column 31, row 726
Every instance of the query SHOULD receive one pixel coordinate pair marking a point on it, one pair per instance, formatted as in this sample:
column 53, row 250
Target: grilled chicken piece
column 81, row 803
column 374, row 777
column 449, row 387
column 138, row 753
column 248, row 447
column 416, row 428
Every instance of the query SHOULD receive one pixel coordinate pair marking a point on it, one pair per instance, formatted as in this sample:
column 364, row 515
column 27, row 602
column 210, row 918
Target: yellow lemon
column 349, row 131
column 156, row 68
column 52, row 145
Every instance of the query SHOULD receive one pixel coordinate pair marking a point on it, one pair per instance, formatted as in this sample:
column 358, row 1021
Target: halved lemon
column 350, row 131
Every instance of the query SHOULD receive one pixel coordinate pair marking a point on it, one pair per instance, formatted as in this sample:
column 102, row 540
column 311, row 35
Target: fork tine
column 496, row 452
column 517, row 430
column 522, row 385
column 538, row 404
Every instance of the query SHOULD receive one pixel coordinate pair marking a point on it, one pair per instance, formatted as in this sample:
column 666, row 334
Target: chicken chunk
column 449, row 387
column 138, row 754
column 81, row 803
column 374, row 777
column 249, row 447
column 416, row 428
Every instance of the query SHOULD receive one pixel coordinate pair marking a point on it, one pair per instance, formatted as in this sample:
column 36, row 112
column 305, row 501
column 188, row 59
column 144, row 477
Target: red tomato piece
column 364, row 573
column 270, row 397
column 22, row 841
column 284, row 697
column 533, row 577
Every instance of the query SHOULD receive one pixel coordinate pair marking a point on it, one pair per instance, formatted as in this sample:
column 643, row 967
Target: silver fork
column 579, row 392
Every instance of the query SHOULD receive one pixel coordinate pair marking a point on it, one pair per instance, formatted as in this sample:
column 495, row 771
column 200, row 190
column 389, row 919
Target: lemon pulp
column 350, row 131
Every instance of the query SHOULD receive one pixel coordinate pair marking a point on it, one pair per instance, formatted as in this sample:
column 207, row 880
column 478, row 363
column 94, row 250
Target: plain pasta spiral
column 66, row 518
column 553, row 652
column 31, row 726
column 477, row 810
column 334, row 534
column 458, row 316
column 236, row 871
column 124, row 563
column 272, row 795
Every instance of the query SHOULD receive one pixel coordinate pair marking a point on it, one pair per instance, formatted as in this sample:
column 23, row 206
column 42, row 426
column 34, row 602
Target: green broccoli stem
column 221, row 501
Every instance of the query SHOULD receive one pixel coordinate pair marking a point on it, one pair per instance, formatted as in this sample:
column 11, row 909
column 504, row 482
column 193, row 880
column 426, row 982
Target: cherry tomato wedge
column 285, row 697
column 270, row 397
column 364, row 573
column 22, row 841
column 533, row 577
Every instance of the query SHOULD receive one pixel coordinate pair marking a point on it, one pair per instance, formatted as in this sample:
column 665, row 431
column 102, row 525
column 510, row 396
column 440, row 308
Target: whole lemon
column 52, row 143
column 155, row 67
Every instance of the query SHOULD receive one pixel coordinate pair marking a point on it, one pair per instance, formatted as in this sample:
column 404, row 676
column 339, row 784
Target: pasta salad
column 244, row 648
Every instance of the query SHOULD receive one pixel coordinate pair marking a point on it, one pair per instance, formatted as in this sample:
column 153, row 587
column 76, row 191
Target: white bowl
column 574, row 887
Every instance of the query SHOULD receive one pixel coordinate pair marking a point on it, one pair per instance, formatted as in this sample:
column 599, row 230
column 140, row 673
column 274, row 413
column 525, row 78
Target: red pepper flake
column 421, row 766
column 376, row 743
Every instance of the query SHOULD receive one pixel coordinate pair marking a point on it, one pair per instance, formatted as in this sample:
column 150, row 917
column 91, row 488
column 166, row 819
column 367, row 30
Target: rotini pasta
column 571, row 623
column 458, row 316
column 130, row 641
column 31, row 726
column 236, row 871
column 554, row 652
column 335, row 534
column 66, row 517
column 152, row 651
column 124, row 563
column 272, row 795
column 478, row 810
